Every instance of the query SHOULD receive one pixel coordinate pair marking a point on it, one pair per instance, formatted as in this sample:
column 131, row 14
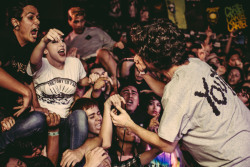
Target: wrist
column 53, row 130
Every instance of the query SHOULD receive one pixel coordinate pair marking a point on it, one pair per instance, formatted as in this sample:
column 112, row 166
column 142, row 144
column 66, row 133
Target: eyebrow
column 91, row 114
column 31, row 13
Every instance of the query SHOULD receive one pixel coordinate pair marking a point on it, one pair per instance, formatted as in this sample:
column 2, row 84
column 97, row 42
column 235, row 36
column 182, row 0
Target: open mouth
column 34, row 32
column 129, row 102
column 98, row 126
column 61, row 52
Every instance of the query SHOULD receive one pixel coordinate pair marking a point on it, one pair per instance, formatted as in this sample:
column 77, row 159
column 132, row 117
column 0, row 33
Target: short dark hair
column 84, row 103
column 125, row 83
column 160, row 42
column 15, row 9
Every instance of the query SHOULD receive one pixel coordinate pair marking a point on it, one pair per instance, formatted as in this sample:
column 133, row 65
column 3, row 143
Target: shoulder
column 96, row 29
column 72, row 60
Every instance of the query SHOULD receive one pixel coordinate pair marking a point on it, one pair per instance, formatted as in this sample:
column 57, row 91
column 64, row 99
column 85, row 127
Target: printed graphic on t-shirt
column 20, row 67
column 215, row 92
column 56, row 91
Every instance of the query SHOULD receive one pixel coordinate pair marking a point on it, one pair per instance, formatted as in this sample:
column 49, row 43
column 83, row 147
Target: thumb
column 121, row 109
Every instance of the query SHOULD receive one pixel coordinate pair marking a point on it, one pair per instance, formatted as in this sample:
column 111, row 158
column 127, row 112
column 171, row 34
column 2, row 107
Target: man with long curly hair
column 200, row 109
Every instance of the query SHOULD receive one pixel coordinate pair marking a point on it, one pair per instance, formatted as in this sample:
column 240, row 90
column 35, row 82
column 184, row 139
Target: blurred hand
column 52, row 35
column 121, row 120
column 71, row 157
column 95, row 157
column 154, row 124
column 119, row 45
column 7, row 123
column 221, row 70
column 115, row 100
column 101, row 82
column 93, row 77
column 53, row 120
column 139, row 64
column 26, row 101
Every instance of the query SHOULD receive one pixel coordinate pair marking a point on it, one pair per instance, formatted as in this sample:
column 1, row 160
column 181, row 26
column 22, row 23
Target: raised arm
column 151, row 138
column 37, row 54
column 107, row 129
column 156, row 85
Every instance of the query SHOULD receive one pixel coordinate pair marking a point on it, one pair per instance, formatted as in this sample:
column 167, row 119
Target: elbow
column 106, row 145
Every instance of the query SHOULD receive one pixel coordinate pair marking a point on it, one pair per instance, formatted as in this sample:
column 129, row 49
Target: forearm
column 90, row 144
column 53, row 147
column 228, row 46
column 151, row 138
column 156, row 85
column 35, row 102
column 10, row 83
column 36, row 56
column 148, row 156
column 84, row 82
column 107, row 129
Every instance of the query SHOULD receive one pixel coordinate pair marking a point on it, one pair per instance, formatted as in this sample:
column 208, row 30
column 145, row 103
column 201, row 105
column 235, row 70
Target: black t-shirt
column 14, row 59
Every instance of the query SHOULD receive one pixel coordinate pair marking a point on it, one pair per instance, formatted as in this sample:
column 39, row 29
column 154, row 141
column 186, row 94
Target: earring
column 16, row 27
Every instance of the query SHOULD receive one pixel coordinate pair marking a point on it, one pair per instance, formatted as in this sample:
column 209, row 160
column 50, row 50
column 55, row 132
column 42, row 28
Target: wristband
column 53, row 133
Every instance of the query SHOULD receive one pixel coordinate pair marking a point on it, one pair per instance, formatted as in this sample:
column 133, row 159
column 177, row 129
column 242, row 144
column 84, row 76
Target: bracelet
column 143, row 72
column 53, row 133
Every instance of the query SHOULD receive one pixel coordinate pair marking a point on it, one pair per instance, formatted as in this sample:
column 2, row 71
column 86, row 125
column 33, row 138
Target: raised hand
column 115, row 100
column 52, row 35
column 139, row 64
column 154, row 124
column 101, row 82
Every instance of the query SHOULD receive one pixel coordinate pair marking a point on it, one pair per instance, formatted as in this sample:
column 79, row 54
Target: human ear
column 15, row 23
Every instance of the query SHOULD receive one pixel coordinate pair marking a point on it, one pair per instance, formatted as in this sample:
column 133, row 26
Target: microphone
column 128, row 59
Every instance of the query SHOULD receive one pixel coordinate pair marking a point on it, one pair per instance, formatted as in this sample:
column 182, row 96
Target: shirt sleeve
column 108, row 42
column 36, row 73
column 82, row 72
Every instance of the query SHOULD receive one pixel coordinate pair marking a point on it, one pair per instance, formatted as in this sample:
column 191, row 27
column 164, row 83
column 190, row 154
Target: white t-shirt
column 203, row 111
column 55, row 88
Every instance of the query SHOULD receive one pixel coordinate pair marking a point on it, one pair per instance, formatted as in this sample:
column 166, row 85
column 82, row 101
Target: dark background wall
column 53, row 13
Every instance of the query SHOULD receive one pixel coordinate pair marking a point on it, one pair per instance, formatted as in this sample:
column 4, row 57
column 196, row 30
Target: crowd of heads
column 163, row 44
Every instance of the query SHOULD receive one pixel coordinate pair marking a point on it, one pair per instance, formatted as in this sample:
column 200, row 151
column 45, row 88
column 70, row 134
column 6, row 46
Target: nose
column 61, row 43
column 37, row 21
column 98, row 118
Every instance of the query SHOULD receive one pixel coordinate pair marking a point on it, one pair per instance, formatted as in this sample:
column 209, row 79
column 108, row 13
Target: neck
column 91, row 135
column 19, row 38
column 55, row 64
column 170, row 72
column 127, row 147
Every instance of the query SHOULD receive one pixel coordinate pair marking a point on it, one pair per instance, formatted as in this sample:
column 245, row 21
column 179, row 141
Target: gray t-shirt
column 203, row 111
column 89, row 42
